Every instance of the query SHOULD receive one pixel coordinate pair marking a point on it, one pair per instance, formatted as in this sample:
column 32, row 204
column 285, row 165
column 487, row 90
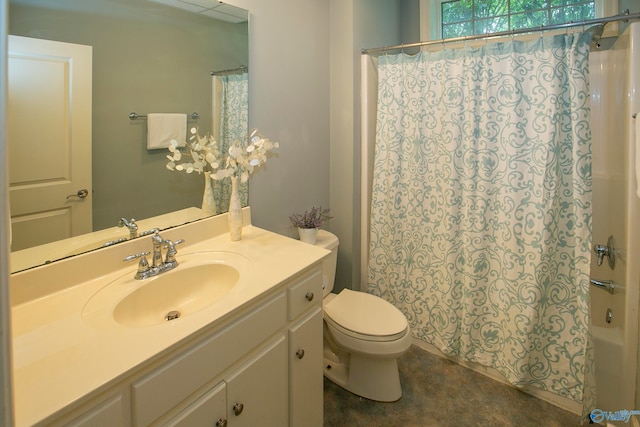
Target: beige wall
column 304, row 92
column 289, row 102
column 356, row 24
column 6, row 409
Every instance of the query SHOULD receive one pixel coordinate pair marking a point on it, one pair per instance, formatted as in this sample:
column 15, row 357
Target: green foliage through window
column 468, row 17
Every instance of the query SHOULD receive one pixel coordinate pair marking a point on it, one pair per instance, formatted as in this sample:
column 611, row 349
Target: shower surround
column 614, row 207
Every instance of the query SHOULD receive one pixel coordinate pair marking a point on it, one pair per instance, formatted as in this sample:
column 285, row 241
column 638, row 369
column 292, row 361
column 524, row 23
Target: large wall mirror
column 145, row 56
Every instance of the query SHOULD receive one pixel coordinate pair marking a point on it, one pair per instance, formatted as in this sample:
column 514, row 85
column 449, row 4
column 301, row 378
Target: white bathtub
column 614, row 84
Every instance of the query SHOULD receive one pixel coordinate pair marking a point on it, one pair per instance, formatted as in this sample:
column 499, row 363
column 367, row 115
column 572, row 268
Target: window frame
column 431, row 17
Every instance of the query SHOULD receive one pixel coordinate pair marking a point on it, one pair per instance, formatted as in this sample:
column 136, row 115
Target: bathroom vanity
column 90, row 350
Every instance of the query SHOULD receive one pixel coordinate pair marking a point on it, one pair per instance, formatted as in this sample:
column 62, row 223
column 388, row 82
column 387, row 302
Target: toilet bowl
column 363, row 336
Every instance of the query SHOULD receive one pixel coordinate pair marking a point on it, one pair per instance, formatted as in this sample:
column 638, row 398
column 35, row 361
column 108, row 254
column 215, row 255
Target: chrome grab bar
column 604, row 284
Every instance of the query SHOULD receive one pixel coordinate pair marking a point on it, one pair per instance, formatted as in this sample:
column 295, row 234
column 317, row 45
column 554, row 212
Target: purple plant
column 313, row 218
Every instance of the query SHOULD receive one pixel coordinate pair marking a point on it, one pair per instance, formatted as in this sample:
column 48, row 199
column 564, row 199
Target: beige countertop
column 66, row 346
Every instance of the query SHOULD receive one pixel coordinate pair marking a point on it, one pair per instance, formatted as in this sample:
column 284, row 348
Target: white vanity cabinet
column 261, row 367
column 305, row 352
column 253, row 394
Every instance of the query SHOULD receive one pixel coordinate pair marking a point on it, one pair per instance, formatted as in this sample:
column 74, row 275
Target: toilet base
column 374, row 378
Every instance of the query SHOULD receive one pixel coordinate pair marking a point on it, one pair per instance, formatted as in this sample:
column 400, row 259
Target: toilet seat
column 364, row 316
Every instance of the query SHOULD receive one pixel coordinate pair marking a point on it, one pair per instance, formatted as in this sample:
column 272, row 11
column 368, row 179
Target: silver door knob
column 238, row 408
column 81, row 194
column 222, row 422
column 300, row 353
column 309, row 296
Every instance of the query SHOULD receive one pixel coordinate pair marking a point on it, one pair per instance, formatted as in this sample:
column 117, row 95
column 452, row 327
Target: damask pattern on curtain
column 481, row 206
column 231, row 122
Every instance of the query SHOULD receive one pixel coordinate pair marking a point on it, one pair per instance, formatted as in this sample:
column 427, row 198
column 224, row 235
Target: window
column 468, row 17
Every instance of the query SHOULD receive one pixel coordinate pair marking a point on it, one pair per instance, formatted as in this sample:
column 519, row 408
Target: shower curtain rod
column 623, row 17
column 242, row 68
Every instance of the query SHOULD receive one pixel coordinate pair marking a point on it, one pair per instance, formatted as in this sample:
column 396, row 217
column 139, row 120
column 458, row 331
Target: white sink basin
column 176, row 293
column 199, row 280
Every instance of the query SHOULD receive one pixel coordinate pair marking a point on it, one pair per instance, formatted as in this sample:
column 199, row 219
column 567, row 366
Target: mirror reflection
column 80, row 169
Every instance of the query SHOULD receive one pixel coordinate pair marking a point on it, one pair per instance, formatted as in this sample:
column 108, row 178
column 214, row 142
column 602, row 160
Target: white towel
column 637, row 126
column 162, row 128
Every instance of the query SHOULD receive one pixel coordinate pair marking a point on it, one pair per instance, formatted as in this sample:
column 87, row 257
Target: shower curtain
column 230, row 122
column 481, row 206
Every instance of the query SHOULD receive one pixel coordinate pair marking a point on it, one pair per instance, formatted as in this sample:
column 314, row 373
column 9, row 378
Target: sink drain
column 172, row 315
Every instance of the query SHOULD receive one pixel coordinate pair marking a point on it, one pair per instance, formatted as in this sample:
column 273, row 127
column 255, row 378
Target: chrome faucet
column 158, row 242
column 158, row 264
column 131, row 225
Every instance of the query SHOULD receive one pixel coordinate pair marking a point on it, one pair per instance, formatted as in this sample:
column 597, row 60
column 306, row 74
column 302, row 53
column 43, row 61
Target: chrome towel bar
column 134, row 116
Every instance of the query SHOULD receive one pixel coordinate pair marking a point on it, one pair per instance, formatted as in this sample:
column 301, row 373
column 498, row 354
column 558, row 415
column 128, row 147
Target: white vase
column 308, row 235
column 235, row 211
column 208, row 201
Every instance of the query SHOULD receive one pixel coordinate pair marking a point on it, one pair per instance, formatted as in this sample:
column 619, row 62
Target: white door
column 49, row 140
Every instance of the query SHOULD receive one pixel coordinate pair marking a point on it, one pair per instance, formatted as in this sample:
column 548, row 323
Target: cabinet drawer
column 160, row 390
column 109, row 413
column 305, row 294
column 205, row 411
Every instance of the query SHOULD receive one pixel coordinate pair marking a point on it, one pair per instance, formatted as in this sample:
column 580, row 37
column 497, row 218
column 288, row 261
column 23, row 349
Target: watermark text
column 598, row 415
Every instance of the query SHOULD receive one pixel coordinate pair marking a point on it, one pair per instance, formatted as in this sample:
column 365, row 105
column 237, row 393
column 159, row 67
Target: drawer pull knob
column 309, row 296
column 238, row 408
column 300, row 353
column 222, row 422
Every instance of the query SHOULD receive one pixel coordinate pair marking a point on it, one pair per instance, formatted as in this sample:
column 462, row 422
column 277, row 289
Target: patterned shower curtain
column 481, row 206
column 231, row 107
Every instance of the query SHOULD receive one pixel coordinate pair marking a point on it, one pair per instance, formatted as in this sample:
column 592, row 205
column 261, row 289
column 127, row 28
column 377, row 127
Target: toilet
column 363, row 336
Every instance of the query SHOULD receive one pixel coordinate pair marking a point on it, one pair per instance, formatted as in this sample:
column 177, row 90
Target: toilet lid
column 365, row 314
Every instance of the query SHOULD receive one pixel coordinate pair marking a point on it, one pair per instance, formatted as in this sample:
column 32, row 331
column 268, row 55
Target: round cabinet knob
column 309, row 296
column 300, row 353
column 221, row 423
column 238, row 408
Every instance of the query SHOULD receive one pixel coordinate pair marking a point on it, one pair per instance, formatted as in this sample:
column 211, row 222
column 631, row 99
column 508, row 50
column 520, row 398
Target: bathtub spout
column 604, row 284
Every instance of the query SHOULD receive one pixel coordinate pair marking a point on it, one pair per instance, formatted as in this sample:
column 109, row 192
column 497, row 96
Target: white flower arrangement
column 241, row 160
column 204, row 153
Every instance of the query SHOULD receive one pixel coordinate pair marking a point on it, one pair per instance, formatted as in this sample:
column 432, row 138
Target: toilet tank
column 328, row 241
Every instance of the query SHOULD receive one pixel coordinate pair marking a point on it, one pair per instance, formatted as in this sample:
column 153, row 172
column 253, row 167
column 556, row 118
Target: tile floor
column 440, row 393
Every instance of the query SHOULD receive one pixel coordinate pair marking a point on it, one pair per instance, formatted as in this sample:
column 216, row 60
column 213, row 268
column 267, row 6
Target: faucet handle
column 141, row 255
column 150, row 231
column 171, row 250
column 606, row 251
column 143, row 265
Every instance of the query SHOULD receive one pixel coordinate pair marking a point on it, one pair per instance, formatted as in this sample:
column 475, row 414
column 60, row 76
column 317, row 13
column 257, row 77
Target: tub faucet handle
column 608, row 251
column 601, row 251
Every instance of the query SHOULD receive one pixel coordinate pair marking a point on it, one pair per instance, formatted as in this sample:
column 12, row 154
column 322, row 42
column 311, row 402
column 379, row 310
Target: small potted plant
column 308, row 223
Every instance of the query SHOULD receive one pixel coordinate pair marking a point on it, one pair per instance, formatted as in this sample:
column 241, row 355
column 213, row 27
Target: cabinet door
column 209, row 410
column 257, row 390
column 305, row 371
